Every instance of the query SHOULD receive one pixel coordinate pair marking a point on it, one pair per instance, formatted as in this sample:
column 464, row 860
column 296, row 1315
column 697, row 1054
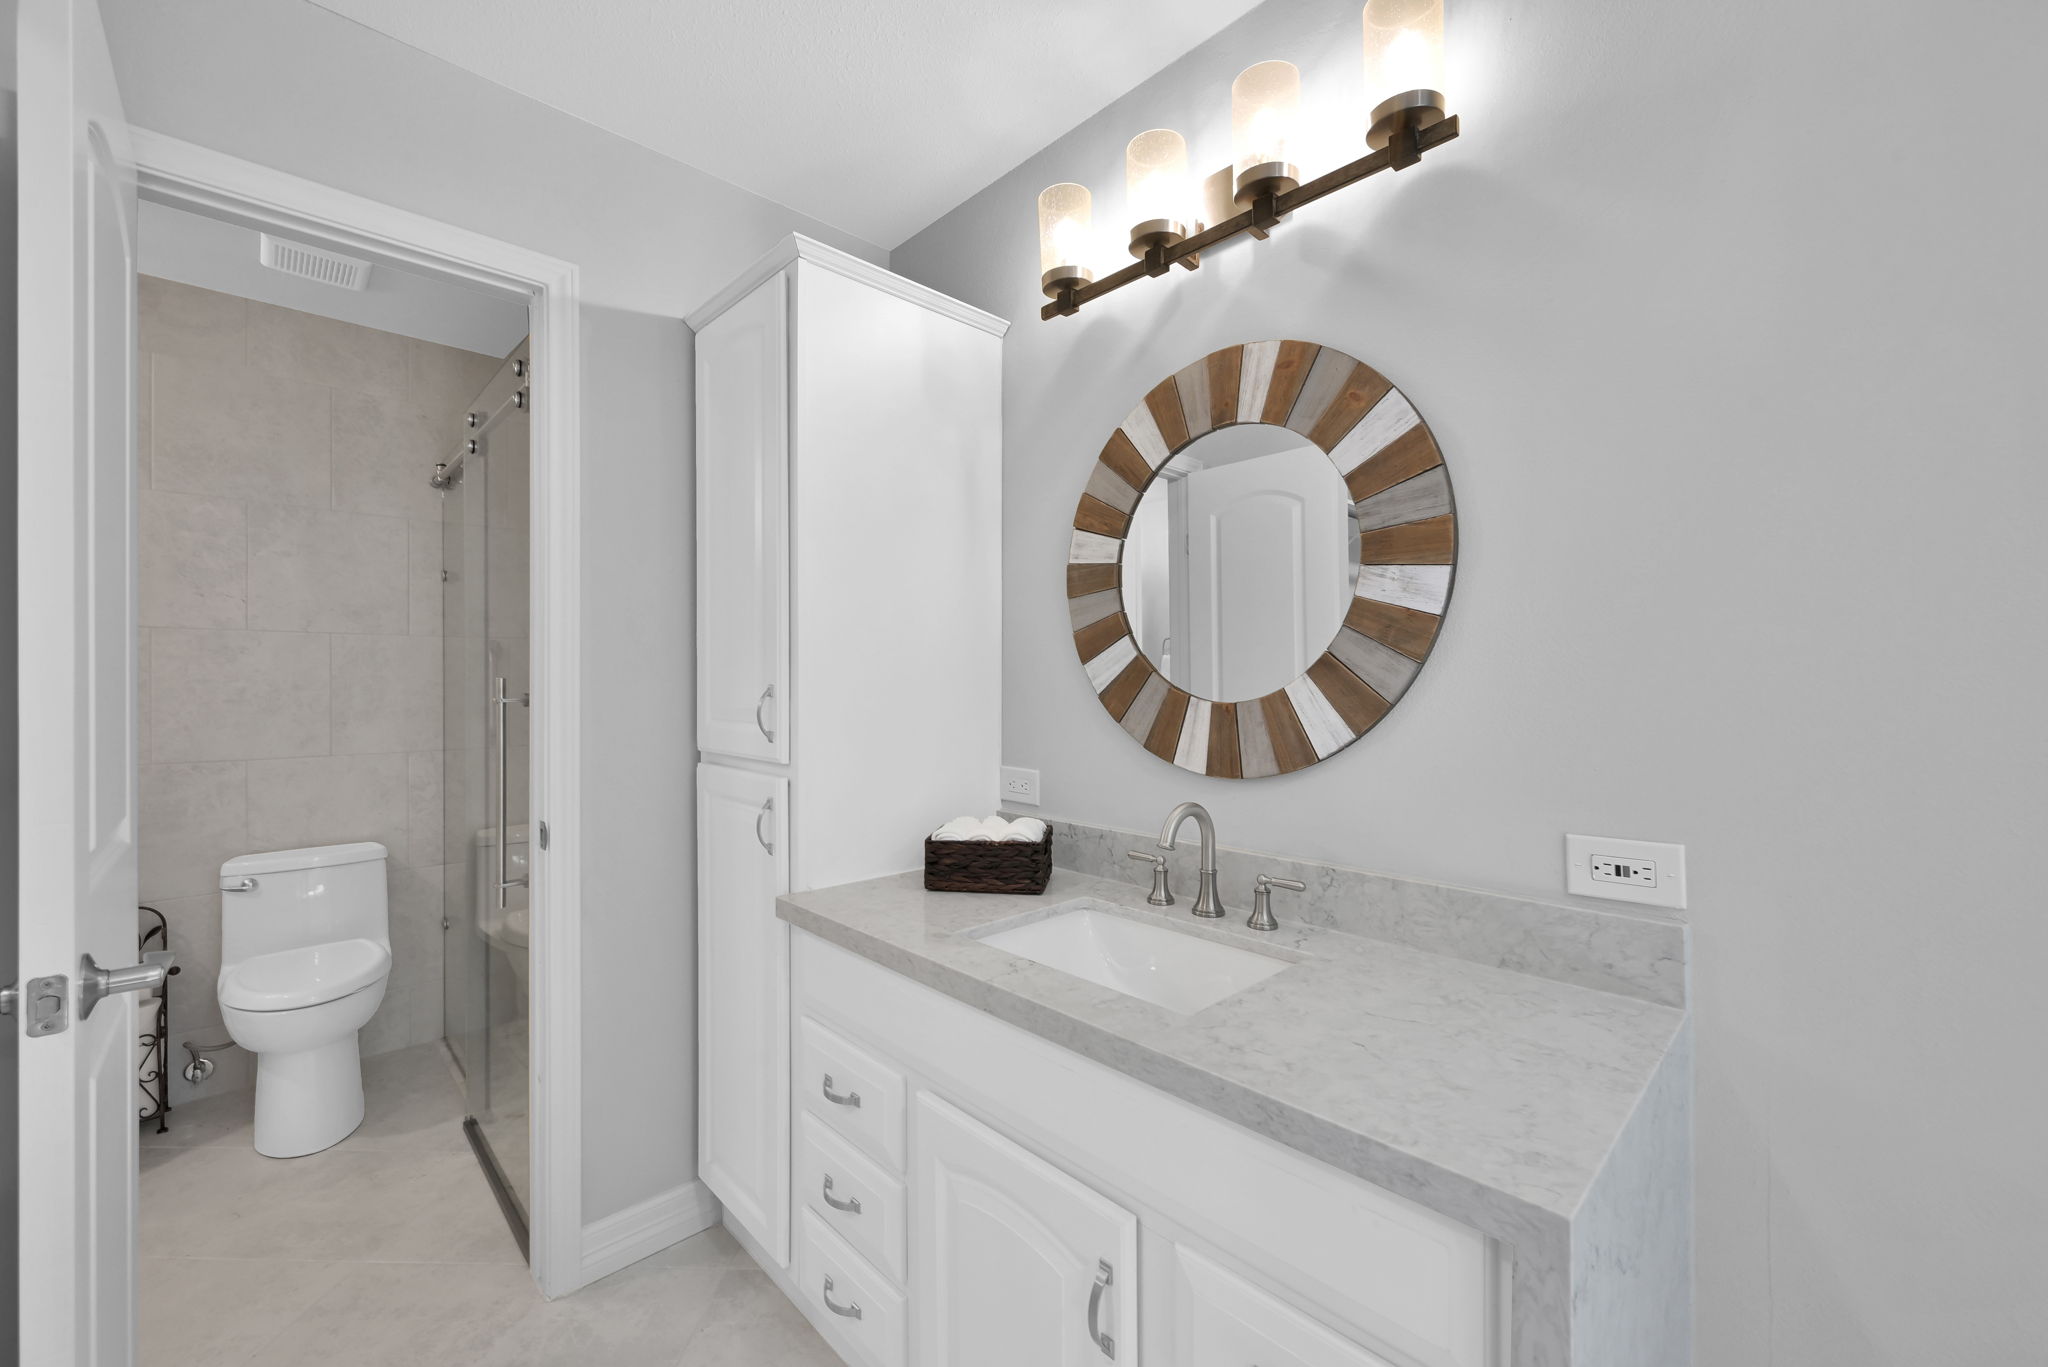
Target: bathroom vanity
column 1366, row 1156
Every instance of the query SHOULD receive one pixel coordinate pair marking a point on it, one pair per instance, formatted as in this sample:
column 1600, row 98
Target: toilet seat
column 292, row 979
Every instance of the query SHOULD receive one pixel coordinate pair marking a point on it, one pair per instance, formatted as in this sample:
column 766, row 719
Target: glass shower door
column 484, row 792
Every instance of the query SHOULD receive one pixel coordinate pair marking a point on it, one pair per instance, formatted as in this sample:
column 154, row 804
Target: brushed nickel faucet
column 1206, row 902
column 1162, row 891
column 1262, row 917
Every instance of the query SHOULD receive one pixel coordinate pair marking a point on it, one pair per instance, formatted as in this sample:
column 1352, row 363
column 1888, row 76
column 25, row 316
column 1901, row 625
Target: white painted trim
column 797, row 247
column 642, row 1230
column 192, row 177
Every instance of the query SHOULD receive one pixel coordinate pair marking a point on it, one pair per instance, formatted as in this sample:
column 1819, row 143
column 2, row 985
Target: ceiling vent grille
column 313, row 263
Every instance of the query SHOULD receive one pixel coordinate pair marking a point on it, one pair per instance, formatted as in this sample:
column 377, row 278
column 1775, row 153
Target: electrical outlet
column 1020, row 785
column 1643, row 871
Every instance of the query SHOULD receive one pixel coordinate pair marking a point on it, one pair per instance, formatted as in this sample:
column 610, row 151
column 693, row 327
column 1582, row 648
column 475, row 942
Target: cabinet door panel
column 743, row 1000
column 1222, row 1320
column 743, row 703
column 1009, row 1252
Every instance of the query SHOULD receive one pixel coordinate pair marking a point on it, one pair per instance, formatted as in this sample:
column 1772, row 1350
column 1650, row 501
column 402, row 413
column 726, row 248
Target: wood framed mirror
column 1262, row 559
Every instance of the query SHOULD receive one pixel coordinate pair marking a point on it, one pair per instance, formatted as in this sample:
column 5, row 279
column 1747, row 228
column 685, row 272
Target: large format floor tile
column 388, row 1248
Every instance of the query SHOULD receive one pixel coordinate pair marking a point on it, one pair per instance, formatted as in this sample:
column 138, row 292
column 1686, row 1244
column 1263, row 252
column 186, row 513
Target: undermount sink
column 1169, row 968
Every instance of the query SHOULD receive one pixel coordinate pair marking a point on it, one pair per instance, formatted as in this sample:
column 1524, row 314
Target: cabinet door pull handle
column 851, row 1205
column 767, row 810
column 850, row 1099
column 767, row 696
column 1104, row 1275
column 851, row 1310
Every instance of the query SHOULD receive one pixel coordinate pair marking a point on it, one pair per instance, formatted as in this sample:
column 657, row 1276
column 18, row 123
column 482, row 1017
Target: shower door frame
column 186, row 175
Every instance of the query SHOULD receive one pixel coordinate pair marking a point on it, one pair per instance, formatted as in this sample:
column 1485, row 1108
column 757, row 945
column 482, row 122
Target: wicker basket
column 987, row 865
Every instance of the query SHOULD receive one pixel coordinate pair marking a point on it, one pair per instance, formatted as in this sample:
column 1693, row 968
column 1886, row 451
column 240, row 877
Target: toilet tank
column 287, row 899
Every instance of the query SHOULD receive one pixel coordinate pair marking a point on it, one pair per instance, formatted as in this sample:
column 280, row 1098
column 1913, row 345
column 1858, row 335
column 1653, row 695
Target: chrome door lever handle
column 96, row 984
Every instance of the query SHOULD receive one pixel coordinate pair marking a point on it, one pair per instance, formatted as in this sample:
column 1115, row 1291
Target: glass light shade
column 1156, row 177
column 1404, row 47
column 1065, row 227
column 1265, row 109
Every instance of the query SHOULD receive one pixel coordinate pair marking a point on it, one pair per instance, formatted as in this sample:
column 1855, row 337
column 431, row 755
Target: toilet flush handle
column 238, row 885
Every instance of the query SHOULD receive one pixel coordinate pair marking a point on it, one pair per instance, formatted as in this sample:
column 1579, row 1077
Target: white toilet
column 305, row 940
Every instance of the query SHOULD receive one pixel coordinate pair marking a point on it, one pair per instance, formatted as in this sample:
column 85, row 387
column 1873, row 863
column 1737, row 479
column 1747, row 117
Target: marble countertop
column 1489, row 1095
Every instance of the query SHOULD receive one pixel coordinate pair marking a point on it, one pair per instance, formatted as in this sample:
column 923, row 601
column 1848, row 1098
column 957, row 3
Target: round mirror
column 1261, row 559
column 1239, row 563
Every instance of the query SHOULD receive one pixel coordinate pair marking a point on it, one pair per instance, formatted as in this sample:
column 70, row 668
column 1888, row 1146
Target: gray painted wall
column 1734, row 359
column 285, row 84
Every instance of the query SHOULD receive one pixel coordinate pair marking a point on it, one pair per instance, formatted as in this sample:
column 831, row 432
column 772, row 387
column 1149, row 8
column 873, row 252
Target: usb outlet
column 1645, row 871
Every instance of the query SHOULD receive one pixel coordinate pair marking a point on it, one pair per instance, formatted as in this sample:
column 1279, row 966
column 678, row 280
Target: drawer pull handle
column 767, row 810
column 1104, row 1275
column 850, row 1099
column 851, row 1310
column 851, row 1205
column 767, row 696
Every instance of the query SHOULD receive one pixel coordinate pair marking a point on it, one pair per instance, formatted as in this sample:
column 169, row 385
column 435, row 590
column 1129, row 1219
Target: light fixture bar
column 1406, row 148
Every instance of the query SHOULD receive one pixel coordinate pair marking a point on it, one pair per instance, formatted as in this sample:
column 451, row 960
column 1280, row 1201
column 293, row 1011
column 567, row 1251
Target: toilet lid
column 307, row 976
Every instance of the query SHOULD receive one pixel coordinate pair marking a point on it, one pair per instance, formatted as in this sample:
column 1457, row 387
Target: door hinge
column 49, row 1004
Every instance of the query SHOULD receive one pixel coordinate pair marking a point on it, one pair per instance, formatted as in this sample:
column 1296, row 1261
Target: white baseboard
column 642, row 1230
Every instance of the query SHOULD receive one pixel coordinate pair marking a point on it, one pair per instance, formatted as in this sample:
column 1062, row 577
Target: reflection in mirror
column 1240, row 562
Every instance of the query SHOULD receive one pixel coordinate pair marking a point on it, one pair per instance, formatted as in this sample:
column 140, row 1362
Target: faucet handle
column 1262, row 899
column 1162, row 895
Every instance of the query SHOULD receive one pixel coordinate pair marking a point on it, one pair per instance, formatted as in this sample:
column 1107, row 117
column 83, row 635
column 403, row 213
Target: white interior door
column 1016, row 1264
column 76, row 539
column 1267, row 552
column 743, row 527
column 743, row 1000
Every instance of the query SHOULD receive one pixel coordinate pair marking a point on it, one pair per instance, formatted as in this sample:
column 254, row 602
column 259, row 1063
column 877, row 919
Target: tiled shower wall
column 291, row 624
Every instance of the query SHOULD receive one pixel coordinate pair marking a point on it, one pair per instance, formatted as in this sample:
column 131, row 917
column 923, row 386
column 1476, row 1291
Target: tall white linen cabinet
column 849, row 585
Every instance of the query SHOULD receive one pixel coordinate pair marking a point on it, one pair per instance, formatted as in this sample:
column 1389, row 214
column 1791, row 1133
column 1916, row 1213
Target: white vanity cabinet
column 1063, row 1214
column 1017, row 1264
column 849, row 588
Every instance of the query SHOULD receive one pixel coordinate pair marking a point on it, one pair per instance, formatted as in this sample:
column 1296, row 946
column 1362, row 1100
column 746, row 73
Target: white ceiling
column 875, row 116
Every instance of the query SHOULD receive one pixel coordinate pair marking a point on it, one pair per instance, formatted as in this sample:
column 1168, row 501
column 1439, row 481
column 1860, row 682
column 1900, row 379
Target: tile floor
column 388, row 1249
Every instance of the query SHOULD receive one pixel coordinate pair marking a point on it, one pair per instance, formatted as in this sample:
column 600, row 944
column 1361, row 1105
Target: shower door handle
column 504, row 701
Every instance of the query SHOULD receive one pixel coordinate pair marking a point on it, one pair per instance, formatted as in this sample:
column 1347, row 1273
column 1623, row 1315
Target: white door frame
column 180, row 173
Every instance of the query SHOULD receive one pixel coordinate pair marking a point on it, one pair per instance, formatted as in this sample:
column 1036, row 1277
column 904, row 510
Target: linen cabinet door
column 1013, row 1262
column 743, row 1000
column 743, row 527
column 1222, row 1320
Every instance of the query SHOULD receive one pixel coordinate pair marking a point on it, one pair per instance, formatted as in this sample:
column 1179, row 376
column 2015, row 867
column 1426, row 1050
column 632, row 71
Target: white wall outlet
column 1020, row 785
column 1645, row 871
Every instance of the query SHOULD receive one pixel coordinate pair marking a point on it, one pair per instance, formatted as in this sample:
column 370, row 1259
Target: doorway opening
column 335, row 561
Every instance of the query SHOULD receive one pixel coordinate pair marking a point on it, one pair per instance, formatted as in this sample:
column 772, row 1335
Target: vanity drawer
column 851, row 1298
column 851, row 1091
column 851, row 1196
column 1222, row 1320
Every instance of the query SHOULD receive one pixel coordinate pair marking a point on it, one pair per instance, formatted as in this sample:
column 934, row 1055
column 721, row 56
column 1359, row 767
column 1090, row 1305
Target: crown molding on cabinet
column 797, row 247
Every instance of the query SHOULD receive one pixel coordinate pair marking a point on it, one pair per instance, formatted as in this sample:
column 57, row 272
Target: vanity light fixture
column 1265, row 109
column 1404, row 66
column 1404, row 57
column 1065, row 225
column 1159, row 193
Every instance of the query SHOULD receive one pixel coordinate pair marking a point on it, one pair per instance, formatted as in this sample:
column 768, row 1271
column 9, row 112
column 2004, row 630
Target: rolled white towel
column 959, row 828
column 992, row 830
